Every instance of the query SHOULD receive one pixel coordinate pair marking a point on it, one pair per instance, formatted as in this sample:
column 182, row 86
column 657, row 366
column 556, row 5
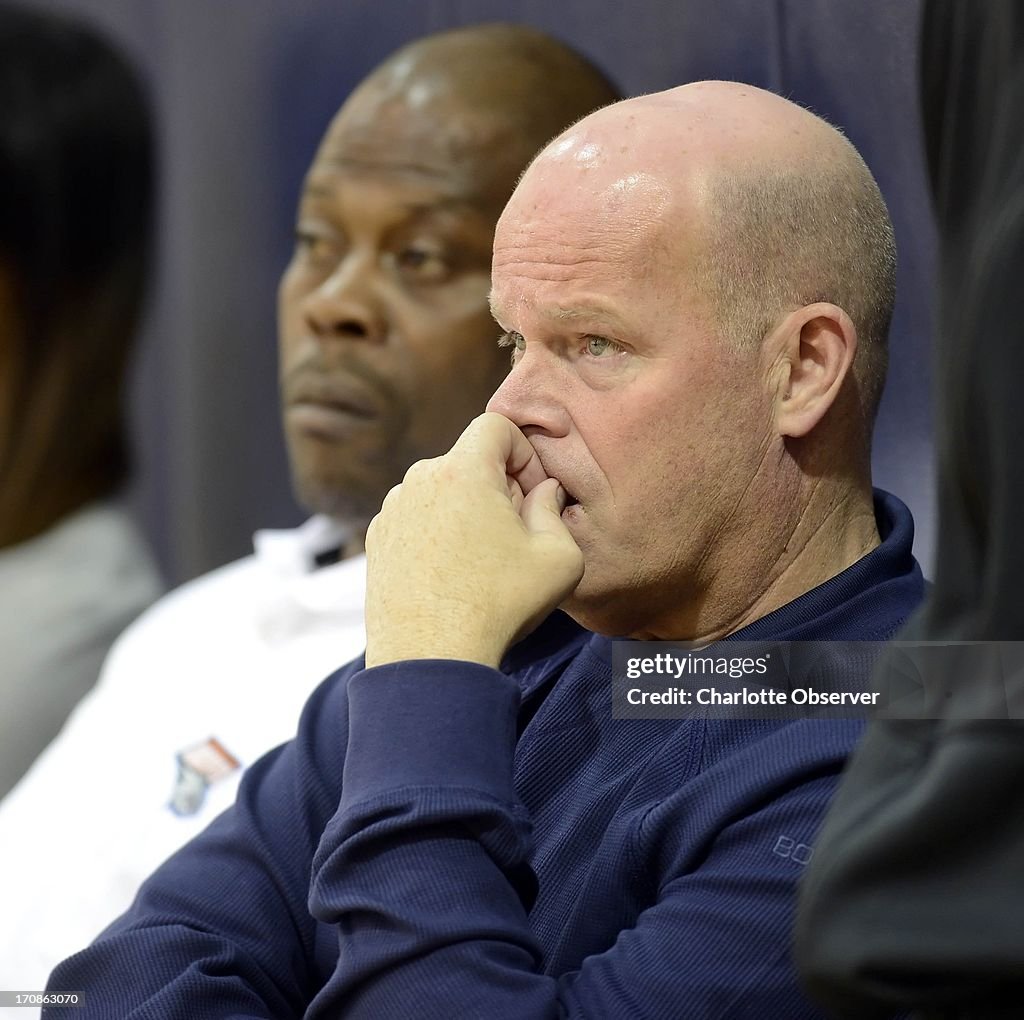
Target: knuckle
column 392, row 493
column 417, row 472
column 481, row 426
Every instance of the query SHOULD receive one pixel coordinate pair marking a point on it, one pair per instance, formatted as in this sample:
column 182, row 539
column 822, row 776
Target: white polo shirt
column 202, row 684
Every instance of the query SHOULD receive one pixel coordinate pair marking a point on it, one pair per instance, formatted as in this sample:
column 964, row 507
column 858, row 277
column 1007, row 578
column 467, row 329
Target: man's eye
column 599, row 345
column 514, row 340
column 311, row 245
column 422, row 263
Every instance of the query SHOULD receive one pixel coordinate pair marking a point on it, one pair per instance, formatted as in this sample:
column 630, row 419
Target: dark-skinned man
column 387, row 351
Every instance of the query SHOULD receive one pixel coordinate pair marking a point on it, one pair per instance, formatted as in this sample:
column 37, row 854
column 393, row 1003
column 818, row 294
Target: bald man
column 696, row 288
column 387, row 351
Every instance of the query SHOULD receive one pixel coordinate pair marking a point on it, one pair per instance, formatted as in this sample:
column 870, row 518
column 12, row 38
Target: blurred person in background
column 387, row 350
column 915, row 897
column 76, row 200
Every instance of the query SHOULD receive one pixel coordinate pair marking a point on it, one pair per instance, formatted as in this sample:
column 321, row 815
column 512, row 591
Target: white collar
column 293, row 551
column 298, row 595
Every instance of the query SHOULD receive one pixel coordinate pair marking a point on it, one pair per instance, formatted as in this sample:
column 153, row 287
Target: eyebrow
column 442, row 203
column 313, row 190
column 568, row 313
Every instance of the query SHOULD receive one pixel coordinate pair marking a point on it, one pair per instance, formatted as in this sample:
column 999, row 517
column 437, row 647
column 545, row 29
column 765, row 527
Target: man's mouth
column 340, row 394
column 337, row 406
column 571, row 499
column 330, row 409
column 571, row 510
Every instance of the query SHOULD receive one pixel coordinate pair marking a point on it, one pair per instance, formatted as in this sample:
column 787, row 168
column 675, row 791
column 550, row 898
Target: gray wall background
column 244, row 88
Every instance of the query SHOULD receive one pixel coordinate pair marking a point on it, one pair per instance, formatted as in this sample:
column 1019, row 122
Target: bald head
column 482, row 100
column 511, row 72
column 766, row 206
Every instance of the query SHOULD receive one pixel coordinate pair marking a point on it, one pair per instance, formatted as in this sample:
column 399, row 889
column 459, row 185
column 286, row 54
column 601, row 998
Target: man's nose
column 346, row 306
column 533, row 397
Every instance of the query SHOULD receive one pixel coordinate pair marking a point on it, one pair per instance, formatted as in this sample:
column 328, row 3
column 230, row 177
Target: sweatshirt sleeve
column 222, row 928
column 423, row 875
column 422, row 871
column 379, row 866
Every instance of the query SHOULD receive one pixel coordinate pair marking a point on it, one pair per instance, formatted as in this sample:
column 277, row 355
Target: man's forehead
column 408, row 192
column 591, row 252
column 613, row 212
column 600, row 178
column 443, row 121
column 507, row 304
column 463, row 154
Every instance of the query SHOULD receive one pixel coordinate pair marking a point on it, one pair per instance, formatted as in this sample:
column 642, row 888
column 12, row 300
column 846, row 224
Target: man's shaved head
column 537, row 82
column 777, row 208
column 804, row 223
column 497, row 92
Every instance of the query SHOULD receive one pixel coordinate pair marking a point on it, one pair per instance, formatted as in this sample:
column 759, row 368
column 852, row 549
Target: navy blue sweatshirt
column 446, row 840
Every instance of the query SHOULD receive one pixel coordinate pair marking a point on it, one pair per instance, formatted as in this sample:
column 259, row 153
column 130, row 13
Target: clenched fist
column 469, row 553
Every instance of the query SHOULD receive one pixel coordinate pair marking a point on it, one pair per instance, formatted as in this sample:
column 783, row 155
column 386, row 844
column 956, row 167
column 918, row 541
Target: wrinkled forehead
column 591, row 192
column 597, row 219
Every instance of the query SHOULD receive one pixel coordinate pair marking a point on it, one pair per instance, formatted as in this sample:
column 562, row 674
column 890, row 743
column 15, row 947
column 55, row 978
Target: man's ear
column 812, row 352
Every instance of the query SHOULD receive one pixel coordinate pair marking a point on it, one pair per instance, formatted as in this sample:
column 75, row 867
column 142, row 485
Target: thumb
column 542, row 508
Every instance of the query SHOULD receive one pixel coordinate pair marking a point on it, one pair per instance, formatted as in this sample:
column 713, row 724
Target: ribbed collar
column 865, row 602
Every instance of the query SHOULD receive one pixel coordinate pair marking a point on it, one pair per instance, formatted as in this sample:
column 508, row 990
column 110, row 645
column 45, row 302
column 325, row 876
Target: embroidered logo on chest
column 199, row 767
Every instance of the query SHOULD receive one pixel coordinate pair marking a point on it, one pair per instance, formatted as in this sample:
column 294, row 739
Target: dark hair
column 76, row 204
